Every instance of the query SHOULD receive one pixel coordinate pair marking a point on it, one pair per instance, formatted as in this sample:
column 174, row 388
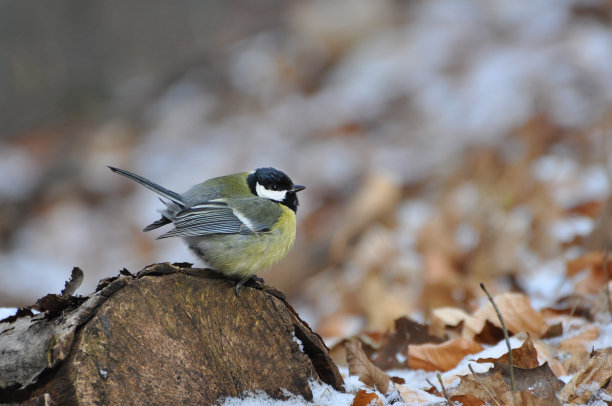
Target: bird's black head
column 273, row 184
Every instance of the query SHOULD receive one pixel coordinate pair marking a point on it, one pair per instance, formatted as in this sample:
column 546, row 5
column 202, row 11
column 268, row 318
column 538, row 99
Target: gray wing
column 213, row 217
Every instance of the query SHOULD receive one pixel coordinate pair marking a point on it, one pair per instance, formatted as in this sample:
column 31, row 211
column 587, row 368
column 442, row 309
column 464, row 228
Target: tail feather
column 156, row 224
column 160, row 190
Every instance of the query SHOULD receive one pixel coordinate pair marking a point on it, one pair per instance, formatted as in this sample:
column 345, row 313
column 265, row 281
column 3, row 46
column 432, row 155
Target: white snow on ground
column 322, row 395
column 7, row 312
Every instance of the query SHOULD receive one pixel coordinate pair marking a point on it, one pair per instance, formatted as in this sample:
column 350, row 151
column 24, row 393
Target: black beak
column 297, row 188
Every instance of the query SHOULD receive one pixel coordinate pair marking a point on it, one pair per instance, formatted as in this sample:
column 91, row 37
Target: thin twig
column 483, row 385
column 575, row 307
column 505, row 330
column 605, row 268
column 432, row 385
column 443, row 389
column 436, row 388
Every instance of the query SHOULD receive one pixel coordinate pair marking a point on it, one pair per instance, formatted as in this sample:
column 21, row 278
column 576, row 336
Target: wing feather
column 212, row 217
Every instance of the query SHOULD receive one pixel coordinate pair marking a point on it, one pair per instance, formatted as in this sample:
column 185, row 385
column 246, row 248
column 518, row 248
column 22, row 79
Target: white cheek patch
column 278, row 195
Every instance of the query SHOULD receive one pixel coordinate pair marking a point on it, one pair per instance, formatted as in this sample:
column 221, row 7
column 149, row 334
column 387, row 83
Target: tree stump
column 171, row 334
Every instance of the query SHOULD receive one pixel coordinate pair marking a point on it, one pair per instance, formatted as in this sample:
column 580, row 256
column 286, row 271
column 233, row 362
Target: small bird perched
column 238, row 224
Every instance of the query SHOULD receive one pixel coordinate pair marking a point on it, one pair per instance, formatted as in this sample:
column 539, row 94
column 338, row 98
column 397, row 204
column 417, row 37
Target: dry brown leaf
column 580, row 342
column 598, row 371
column 592, row 260
column 490, row 334
column 578, row 347
column 525, row 356
column 445, row 317
column 527, row 398
column 397, row 379
column 468, row 400
column 540, row 381
column 360, row 365
column 441, row 357
column 494, row 385
column 608, row 389
column 567, row 308
column 406, row 331
column 363, row 398
column 591, row 208
column 555, row 330
column 517, row 312
column 548, row 353
column 486, row 386
column 369, row 344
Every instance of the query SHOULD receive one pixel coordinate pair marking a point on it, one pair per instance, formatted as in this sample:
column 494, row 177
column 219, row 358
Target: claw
column 246, row 280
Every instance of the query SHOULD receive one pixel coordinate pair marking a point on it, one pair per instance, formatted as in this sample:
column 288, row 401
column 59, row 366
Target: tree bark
column 172, row 334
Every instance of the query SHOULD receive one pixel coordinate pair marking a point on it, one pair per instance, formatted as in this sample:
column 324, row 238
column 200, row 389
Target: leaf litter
column 560, row 341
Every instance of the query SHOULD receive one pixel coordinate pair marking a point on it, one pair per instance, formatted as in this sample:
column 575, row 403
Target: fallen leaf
column 574, row 305
column 555, row 330
column 395, row 343
column 525, row 356
column 468, row 400
column 548, row 353
column 337, row 351
column 411, row 396
column 517, row 312
column 494, row 385
column 360, row 365
column 527, row 398
column 487, row 386
column 580, row 342
column 595, row 374
column 445, row 317
column 397, row 379
column 490, row 334
column 591, row 208
column 363, row 398
column 441, row 357
column 540, row 381
column 608, row 389
column 577, row 348
column 591, row 260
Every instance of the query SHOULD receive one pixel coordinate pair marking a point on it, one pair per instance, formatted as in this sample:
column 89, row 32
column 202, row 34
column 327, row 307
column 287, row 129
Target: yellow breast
column 247, row 254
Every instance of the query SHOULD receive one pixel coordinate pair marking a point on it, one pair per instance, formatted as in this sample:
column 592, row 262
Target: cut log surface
column 172, row 334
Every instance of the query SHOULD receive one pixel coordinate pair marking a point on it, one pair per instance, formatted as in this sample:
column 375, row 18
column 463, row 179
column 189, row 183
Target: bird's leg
column 256, row 278
column 246, row 280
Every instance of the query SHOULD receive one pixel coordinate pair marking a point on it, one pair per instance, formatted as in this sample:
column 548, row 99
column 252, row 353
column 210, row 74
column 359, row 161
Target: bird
column 238, row 225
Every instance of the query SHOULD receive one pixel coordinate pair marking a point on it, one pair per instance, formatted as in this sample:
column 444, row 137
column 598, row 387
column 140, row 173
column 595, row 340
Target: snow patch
column 7, row 312
column 298, row 341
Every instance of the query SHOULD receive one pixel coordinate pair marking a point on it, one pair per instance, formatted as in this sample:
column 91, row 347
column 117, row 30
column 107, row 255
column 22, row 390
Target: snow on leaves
column 537, row 363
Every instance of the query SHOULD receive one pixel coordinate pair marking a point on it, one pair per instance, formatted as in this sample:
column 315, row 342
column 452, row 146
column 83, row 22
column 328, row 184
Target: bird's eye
column 274, row 187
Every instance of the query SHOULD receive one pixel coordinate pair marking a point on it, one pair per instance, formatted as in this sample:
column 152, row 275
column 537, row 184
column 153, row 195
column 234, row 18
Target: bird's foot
column 247, row 279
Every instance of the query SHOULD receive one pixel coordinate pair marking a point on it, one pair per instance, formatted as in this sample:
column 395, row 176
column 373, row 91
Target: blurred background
column 442, row 143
